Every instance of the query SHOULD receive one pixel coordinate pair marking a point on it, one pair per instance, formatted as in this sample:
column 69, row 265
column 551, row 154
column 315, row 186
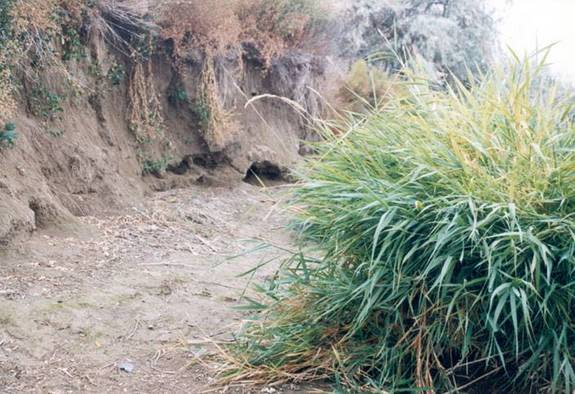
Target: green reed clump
column 446, row 226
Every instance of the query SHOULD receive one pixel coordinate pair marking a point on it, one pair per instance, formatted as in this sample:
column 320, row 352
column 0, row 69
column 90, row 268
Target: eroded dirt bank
column 145, row 290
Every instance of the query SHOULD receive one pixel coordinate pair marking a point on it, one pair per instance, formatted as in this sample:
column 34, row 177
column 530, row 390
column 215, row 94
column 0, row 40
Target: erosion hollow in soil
column 264, row 173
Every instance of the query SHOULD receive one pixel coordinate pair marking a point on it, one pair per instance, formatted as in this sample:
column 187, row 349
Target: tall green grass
column 445, row 225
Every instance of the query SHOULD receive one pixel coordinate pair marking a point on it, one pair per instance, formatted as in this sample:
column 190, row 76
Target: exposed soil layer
column 131, row 302
column 84, row 155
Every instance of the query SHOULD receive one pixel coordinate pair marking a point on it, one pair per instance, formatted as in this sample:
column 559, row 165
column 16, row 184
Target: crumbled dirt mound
column 149, row 290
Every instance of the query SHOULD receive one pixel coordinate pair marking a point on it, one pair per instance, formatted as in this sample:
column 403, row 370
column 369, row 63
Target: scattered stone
column 126, row 366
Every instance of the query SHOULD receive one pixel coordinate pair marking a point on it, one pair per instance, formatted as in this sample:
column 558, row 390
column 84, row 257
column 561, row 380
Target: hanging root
column 216, row 122
column 120, row 24
column 144, row 110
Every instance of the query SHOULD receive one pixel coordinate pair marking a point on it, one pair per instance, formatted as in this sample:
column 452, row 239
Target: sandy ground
column 131, row 304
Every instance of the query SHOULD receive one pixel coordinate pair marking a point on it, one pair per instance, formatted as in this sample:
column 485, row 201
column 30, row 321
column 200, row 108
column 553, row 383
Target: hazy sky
column 528, row 24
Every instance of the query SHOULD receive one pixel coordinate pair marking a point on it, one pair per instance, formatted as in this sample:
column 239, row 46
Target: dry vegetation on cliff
column 272, row 25
column 42, row 34
column 220, row 27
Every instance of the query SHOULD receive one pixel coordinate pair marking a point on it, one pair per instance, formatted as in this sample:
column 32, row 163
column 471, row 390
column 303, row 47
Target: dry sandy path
column 142, row 290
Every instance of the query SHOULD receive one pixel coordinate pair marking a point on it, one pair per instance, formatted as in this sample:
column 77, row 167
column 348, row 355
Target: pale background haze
column 530, row 24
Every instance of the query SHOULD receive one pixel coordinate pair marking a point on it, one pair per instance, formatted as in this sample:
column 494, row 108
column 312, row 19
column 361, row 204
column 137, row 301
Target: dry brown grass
column 277, row 25
column 7, row 89
column 34, row 17
column 366, row 87
column 210, row 25
column 36, row 23
column 33, row 28
column 219, row 122
column 38, row 30
column 119, row 23
column 215, row 26
column 144, row 110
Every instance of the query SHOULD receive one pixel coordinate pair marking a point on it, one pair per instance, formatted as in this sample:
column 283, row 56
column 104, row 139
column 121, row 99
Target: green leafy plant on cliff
column 8, row 135
column 445, row 233
column 5, row 19
column 202, row 111
column 178, row 95
column 155, row 166
column 46, row 104
column 116, row 74
column 73, row 47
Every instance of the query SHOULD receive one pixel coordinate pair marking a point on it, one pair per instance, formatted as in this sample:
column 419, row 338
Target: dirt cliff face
column 267, row 129
column 78, row 151
column 105, row 124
